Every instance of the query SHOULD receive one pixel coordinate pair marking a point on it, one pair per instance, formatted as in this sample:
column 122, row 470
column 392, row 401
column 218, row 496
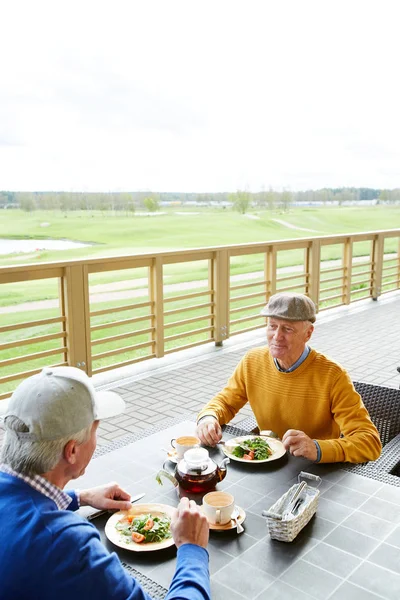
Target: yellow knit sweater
column 318, row 398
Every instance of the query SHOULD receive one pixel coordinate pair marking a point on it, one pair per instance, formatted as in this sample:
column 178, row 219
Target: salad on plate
column 144, row 529
column 254, row 448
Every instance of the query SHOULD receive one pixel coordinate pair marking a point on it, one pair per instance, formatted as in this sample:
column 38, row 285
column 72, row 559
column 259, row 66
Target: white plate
column 138, row 509
column 278, row 449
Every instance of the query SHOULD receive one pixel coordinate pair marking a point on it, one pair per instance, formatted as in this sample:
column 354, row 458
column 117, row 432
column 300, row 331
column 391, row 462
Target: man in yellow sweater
column 306, row 398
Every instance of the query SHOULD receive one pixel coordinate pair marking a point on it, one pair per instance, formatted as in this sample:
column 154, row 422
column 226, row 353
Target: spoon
column 235, row 516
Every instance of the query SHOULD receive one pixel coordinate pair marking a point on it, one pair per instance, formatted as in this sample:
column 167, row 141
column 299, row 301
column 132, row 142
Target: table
column 350, row 549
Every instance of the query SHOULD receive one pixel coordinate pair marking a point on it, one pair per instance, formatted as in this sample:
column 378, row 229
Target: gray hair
column 32, row 457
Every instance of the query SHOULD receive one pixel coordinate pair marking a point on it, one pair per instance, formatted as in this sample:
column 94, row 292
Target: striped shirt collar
column 298, row 362
column 42, row 485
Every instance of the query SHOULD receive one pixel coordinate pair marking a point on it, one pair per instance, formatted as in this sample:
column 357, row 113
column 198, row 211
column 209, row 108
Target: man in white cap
column 295, row 391
column 47, row 551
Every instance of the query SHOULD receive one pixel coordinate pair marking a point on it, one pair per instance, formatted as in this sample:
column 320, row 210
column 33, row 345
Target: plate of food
column 254, row 449
column 142, row 528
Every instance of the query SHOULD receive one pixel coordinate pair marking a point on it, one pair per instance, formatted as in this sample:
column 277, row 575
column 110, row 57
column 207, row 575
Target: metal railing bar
column 244, row 319
column 178, row 336
column 37, row 323
column 188, row 296
column 28, row 357
column 186, row 308
column 247, row 307
column 302, row 275
column 332, row 269
column 248, row 296
column 121, row 336
column 286, row 288
column 121, row 350
column 107, row 311
column 121, row 322
column 26, row 341
column 187, row 321
column 232, row 288
column 187, row 346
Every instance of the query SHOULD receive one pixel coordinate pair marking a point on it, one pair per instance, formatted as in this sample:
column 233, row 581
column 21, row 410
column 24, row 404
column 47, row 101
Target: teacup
column 186, row 442
column 218, row 507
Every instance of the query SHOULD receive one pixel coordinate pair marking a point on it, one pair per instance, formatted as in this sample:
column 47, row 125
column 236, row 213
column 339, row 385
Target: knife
column 98, row 513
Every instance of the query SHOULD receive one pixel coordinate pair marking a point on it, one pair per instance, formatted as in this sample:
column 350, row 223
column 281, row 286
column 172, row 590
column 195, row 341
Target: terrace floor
column 363, row 337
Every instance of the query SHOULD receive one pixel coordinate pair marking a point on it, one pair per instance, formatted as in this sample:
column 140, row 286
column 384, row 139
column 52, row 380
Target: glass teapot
column 196, row 472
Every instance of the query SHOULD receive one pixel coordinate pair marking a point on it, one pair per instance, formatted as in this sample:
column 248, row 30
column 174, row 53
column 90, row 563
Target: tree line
column 241, row 200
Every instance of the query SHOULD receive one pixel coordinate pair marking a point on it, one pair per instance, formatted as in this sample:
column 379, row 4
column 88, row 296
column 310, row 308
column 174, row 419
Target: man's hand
column 299, row 444
column 189, row 525
column 106, row 497
column 209, row 431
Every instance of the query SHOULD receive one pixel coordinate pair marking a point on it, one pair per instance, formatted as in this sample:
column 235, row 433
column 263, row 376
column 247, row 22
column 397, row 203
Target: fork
column 235, row 516
column 269, row 433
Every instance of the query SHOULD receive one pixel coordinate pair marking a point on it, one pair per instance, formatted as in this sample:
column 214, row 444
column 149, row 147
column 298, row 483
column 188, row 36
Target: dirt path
column 290, row 226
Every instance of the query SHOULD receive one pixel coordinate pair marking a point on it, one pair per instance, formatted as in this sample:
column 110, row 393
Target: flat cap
column 292, row 307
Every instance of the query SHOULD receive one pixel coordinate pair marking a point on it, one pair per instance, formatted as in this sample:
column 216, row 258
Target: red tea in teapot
column 197, row 473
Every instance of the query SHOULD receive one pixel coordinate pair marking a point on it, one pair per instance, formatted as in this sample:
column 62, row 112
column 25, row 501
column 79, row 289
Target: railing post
column 74, row 298
column 347, row 265
column 270, row 272
column 221, row 296
column 377, row 265
column 313, row 266
column 157, row 302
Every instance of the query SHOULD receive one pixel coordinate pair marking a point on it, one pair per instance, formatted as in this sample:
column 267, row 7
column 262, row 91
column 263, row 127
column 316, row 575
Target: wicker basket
column 285, row 527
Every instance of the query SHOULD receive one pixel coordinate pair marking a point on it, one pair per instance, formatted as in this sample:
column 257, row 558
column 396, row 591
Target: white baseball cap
column 59, row 402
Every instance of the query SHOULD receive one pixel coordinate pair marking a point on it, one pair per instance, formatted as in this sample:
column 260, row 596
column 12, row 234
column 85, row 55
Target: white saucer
column 231, row 524
column 172, row 456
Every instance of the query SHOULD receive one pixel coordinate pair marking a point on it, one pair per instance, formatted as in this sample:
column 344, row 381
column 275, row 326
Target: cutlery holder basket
column 285, row 526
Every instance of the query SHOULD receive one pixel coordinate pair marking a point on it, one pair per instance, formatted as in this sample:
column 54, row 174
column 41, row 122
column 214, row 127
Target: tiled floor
column 364, row 338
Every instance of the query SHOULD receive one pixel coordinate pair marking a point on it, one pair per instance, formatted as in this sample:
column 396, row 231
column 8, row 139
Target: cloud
column 206, row 96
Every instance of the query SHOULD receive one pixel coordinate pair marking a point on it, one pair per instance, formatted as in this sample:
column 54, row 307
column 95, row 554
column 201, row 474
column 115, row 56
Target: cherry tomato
column 247, row 457
column 149, row 525
column 137, row 537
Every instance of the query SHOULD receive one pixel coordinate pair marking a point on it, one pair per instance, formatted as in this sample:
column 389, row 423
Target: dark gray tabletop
column 350, row 549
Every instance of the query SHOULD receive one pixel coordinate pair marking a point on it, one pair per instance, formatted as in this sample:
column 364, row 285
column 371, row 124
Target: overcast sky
column 199, row 95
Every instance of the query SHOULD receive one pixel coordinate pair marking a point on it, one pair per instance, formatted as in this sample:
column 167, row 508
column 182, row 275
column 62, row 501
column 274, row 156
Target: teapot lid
column 197, row 458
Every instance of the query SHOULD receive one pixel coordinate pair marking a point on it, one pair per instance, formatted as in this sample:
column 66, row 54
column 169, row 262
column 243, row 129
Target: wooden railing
column 155, row 304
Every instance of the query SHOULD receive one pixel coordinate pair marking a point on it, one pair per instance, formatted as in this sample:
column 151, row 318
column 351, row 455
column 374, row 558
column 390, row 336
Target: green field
column 118, row 235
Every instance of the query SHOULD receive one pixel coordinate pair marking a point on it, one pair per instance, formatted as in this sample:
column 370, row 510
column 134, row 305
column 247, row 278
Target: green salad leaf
column 154, row 529
column 257, row 448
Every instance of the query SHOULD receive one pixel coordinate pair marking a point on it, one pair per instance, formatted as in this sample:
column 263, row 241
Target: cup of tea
column 218, row 507
column 186, row 442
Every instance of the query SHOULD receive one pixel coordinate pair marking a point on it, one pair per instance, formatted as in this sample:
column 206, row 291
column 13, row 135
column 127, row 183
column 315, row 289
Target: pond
column 17, row 246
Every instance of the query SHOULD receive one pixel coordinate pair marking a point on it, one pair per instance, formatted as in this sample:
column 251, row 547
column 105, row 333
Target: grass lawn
column 117, row 235
column 120, row 234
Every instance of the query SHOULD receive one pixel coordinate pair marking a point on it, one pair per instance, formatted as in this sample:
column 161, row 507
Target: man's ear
column 70, row 452
column 309, row 332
